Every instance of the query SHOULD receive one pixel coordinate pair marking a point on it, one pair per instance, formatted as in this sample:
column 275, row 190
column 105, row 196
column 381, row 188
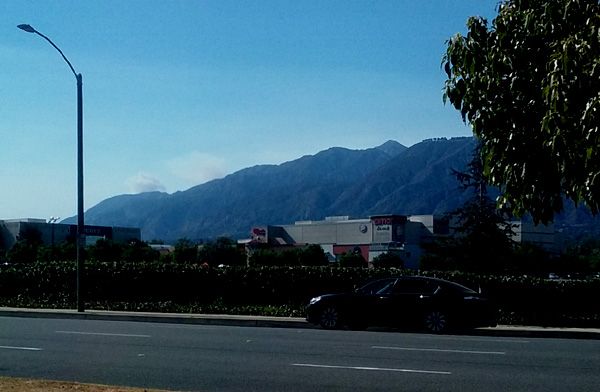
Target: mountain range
column 388, row 179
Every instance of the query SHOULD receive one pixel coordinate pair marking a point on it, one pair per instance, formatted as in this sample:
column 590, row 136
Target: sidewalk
column 277, row 322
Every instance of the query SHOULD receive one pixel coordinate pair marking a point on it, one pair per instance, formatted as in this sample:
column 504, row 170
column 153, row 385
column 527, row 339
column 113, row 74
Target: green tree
column 2, row 248
column 352, row 259
column 442, row 254
column 529, row 86
column 67, row 250
column 483, row 238
column 263, row 257
column 484, row 233
column 584, row 255
column 22, row 252
column 138, row 251
column 271, row 257
column 531, row 259
column 387, row 260
column 222, row 251
column 105, row 250
column 185, row 251
column 26, row 249
column 313, row 255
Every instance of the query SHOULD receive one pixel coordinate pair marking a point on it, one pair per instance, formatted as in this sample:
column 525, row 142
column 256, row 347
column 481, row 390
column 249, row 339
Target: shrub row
column 155, row 281
column 280, row 291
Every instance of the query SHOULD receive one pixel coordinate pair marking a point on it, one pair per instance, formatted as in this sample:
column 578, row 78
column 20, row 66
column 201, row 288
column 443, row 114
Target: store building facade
column 403, row 235
column 56, row 233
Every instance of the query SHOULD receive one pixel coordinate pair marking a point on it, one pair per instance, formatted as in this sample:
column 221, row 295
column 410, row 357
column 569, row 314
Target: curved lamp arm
column 29, row 29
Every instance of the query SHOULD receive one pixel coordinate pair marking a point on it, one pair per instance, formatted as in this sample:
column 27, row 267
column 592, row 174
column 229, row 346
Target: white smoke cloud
column 143, row 182
column 197, row 167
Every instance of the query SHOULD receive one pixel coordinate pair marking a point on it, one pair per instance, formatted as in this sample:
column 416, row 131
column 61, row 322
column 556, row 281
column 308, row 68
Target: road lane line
column 311, row 365
column 438, row 350
column 491, row 340
column 21, row 348
column 127, row 335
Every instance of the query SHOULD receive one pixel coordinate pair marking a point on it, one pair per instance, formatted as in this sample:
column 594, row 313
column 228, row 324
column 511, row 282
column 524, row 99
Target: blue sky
column 180, row 92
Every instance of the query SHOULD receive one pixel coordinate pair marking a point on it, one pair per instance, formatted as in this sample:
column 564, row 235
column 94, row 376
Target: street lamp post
column 52, row 221
column 80, row 222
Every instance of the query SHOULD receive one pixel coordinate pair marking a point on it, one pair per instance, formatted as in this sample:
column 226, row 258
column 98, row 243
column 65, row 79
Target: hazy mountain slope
column 301, row 189
column 126, row 210
column 387, row 179
column 431, row 188
column 417, row 181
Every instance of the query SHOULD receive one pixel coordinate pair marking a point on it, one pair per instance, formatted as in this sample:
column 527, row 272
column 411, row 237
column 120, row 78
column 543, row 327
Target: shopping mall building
column 403, row 235
column 56, row 233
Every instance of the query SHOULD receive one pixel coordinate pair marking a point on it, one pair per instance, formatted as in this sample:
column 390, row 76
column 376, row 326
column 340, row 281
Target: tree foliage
column 29, row 248
column 105, row 250
column 272, row 258
column 529, row 86
column 223, row 251
column 483, row 238
column 481, row 225
column 585, row 255
column 22, row 252
column 388, row 260
column 186, row 251
column 26, row 249
column 311, row 255
column 138, row 251
column 352, row 259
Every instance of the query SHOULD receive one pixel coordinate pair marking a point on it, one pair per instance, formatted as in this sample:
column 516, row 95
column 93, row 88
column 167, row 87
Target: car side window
column 376, row 286
column 387, row 289
column 413, row 286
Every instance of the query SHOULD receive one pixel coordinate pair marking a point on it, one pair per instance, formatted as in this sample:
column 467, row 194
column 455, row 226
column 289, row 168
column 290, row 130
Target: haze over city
column 181, row 92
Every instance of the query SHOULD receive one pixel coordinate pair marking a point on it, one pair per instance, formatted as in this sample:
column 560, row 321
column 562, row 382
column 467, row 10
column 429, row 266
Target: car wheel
column 436, row 321
column 330, row 318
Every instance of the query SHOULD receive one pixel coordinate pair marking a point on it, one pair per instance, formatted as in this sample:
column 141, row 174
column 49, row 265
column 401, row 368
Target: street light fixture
column 80, row 223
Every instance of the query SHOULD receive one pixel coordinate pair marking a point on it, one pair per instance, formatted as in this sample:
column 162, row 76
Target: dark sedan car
column 416, row 301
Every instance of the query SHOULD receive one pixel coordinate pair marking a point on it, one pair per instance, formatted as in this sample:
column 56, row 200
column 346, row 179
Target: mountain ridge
column 309, row 187
column 387, row 179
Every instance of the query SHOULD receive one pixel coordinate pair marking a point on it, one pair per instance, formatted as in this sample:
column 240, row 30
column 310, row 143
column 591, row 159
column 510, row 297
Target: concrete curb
column 278, row 322
column 175, row 318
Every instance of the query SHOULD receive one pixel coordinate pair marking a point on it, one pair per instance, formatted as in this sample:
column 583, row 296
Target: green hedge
column 281, row 291
column 148, row 282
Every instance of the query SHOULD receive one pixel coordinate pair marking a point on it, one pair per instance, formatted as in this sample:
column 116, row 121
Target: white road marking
column 466, row 339
column 127, row 335
column 188, row 326
column 21, row 348
column 311, row 365
column 438, row 350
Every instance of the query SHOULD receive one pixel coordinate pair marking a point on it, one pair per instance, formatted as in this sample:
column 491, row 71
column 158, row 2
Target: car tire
column 435, row 321
column 329, row 318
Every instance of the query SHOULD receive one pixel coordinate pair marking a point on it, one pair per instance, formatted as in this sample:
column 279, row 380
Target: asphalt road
column 226, row 358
